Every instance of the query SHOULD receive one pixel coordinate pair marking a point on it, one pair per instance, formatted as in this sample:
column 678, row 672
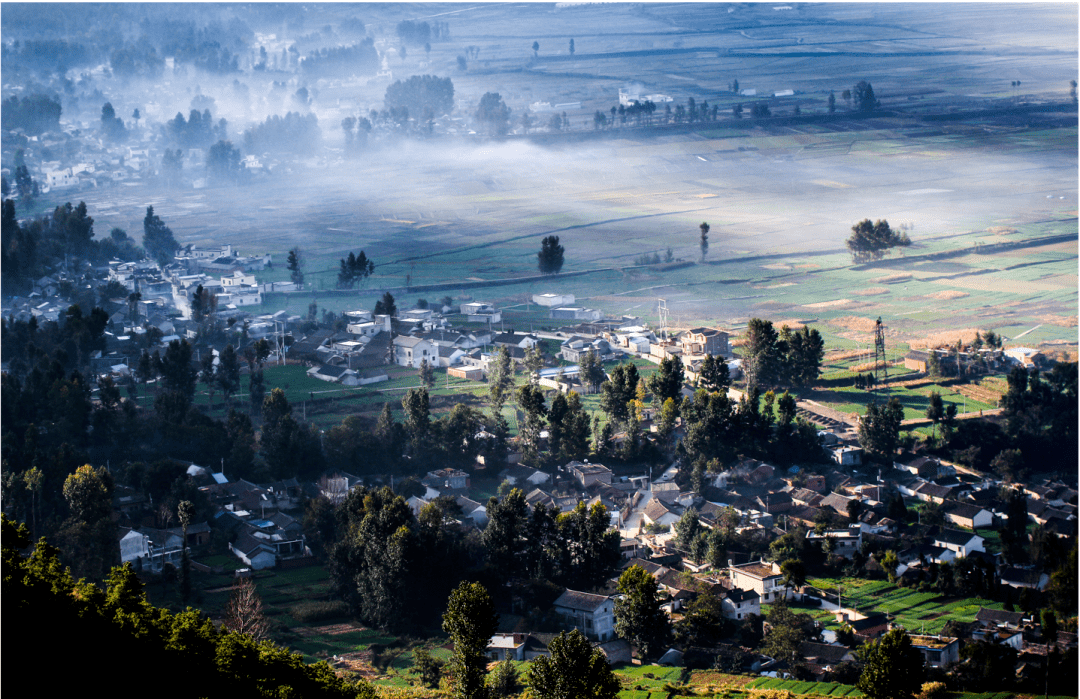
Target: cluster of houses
column 845, row 506
column 260, row 523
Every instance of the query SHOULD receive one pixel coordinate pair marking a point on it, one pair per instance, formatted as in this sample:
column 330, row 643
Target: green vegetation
column 918, row 612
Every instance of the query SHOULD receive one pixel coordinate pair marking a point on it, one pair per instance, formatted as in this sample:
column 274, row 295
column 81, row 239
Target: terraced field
column 918, row 612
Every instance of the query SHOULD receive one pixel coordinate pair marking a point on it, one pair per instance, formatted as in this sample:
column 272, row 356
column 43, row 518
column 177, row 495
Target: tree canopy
column 871, row 241
column 117, row 621
column 158, row 239
column 550, row 257
column 573, row 670
column 493, row 114
column 471, row 621
column 638, row 616
column 425, row 96
column 892, row 667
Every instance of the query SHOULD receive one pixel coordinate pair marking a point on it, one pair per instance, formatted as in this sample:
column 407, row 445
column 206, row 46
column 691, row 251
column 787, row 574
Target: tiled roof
column 961, row 509
column 997, row 616
column 656, row 509
column 737, row 595
column 582, row 601
column 953, row 536
column 757, row 569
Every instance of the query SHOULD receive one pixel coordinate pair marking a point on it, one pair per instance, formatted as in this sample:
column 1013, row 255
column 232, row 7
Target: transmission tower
column 663, row 311
column 881, row 367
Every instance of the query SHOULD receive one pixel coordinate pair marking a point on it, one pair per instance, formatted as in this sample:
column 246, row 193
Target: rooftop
column 756, row 569
column 582, row 601
column 932, row 642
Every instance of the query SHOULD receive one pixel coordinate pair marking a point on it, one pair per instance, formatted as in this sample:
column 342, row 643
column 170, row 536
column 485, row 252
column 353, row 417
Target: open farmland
column 986, row 186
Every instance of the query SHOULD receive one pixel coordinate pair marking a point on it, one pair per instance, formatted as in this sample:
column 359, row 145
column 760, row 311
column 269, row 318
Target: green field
column 918, row 612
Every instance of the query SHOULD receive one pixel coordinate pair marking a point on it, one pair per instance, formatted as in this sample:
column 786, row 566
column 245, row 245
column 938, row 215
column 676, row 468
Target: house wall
column 739, row 610
column 768, row 588
column 598, row 624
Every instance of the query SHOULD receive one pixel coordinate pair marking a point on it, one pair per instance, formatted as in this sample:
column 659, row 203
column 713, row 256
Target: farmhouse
column 512, row 339
column 937, row 651
column 587, row 474
column 963, row 543
column 659, row 514
column 705, row 341
column 846, row 541
column 967, row 516
column 411, row 351
column 593, row 615
column 480, row 312
column 738, row 604
column 762, row 577
column 553, row 300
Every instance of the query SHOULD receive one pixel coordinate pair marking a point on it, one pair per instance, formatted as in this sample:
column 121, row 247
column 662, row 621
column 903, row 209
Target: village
column 856, row 517
column 541, row 351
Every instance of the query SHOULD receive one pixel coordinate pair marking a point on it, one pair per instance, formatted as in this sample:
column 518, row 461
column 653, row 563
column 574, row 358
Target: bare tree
column 244, row 611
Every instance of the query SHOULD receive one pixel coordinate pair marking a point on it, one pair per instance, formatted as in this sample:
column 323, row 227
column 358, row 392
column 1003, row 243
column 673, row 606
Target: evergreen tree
column 574, row 669
column 504, row 536
column 500, row 379
column 668, row 381
column 386, row 306
column 550, row 257
column 295, row 265
column 158, row 239
column 471, row 621
column 618, row 391
column 892, row 667
column 714, row 373
column 638, row 617
column 879, row 429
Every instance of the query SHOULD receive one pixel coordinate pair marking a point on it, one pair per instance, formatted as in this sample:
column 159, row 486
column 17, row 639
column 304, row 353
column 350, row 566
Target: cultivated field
column 989, row 196
column 918, row 612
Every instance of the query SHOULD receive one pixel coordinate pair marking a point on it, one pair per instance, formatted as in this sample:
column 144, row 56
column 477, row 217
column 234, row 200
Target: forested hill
column 78, row 636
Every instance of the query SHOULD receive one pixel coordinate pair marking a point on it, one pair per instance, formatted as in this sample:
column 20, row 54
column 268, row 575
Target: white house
column 553, row 300
column 846, row 541
column 762, row 577
column 963, row 543
column 966, row 515
column 237, row 279
column 738, row 604
column 255, row 554
column 410, row 351
column 480, row 312
column 593, row 615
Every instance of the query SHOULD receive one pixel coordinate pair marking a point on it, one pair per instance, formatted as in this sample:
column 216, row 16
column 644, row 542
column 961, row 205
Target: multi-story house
column 762, row 577
column 593, row 615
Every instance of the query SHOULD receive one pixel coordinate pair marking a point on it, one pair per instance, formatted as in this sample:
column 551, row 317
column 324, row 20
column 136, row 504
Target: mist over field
column 974, row 130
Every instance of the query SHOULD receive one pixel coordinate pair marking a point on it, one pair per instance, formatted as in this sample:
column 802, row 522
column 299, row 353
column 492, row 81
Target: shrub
column 309, row 612
column 771, row 694
column 933, row 690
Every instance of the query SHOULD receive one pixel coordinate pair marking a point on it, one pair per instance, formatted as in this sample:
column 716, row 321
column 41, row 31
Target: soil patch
column 872, row 291
column 947, row 295
column 1063, row 321
column 828, row 304
column 865, row 325
column 329, row 630
column 946, row 338
column 893, row 278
